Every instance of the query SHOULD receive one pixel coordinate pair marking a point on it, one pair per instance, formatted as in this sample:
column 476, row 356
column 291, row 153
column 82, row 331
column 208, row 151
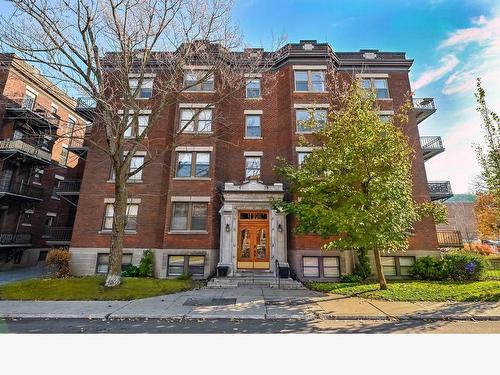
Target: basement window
column 397, row 266
column 186, row 265
column 325, row 267
column 103, row 262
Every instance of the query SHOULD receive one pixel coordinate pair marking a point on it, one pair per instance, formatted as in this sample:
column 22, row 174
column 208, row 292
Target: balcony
column 449, row 238
column 86, row 107
column 423, row 107
column 28, row 109
column 76, row 145
column 14, row 190
column 440, row 190
column 58, row 235
column 15, row 239
column 431, row 146
column 68, row 187
column 35, row 153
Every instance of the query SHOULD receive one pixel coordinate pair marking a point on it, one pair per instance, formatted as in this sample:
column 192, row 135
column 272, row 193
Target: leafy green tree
column 355, row 189
column 489, row 155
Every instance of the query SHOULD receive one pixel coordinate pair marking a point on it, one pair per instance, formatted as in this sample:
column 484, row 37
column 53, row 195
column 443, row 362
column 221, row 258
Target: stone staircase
column 254, row 279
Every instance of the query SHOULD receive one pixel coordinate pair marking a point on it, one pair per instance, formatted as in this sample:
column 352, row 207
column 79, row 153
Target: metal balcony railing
column 431, row 146
column 449, row 238
column 423, row 107
column 68, row 187
column 25, row 148
column 37, row 112
column 15, row 238
column 58, row 234
column 440, row 190
column 20, row 188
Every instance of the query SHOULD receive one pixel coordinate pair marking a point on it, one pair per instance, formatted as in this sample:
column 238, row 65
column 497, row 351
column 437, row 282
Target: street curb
column 410, row 317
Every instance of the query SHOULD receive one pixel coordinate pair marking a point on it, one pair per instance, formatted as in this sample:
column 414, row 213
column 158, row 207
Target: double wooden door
column 253, row 240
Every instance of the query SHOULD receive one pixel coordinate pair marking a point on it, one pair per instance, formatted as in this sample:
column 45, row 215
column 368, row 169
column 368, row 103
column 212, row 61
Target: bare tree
column 120, row 52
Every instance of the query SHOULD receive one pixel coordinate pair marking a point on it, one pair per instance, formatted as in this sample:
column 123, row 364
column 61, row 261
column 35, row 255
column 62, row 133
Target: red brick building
column 40, row 131
column 207, row 205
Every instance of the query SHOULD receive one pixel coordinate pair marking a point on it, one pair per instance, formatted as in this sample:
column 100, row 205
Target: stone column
column 225, row 259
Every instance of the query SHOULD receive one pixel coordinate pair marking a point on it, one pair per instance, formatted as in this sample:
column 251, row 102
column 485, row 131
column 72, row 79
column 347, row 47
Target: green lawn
column 492, row 274
column 90, row 288
column 488, row 290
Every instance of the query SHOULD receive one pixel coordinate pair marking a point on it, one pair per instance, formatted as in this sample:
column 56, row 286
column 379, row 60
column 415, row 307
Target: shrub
column 462, row 266
column 428, row 268
column 58, row 262
column 351, row 278
column 146, row 266
column 184, row 276
column 131, row 271
column 362, row 268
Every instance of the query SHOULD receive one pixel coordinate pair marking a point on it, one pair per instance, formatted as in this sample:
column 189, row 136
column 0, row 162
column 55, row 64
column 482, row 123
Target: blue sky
column 451, row 41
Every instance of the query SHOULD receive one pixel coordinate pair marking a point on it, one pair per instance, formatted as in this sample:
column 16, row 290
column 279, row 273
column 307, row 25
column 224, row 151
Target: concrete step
column 266, row 282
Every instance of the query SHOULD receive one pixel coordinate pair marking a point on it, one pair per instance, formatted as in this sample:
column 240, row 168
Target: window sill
column 384, row 99
column 199, row 91
column 188, row 232
column 55, row 198
column 128, row 182
column 310, row 92
column 26, row 225
column 192, row 178
column 254, row 138
column 109, row 231
column 256, row 99
column 195, row 133
column 36, row 183
column 301, row 133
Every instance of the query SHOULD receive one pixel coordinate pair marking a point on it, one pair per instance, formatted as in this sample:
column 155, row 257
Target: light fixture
column 227, row 228
column 280, row 228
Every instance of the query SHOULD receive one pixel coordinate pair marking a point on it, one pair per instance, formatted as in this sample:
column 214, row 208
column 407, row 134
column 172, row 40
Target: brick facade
column 160, row 188
column 24, row 123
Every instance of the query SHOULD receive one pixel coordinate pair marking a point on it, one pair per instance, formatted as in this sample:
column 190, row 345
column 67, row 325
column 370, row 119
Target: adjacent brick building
column 40, row 131
column 206, row 206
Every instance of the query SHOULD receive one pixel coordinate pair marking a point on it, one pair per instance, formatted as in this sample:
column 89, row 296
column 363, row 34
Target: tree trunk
column 113, row 277
column 380, row 273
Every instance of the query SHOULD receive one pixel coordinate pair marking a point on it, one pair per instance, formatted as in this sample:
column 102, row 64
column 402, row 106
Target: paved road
column 22, row 274
column 242, row 326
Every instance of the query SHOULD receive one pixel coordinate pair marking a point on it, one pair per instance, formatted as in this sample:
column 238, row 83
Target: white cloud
column 448, row 62
column 482, row 32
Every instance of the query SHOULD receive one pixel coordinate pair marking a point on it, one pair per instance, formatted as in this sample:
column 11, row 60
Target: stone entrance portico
column 251, row 195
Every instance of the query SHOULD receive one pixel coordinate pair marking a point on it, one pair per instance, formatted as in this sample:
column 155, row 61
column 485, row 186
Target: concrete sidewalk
column 252, row 303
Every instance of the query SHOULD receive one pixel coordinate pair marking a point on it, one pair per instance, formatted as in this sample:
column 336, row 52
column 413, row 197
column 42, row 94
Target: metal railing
column 20, row 145
column 20, row 188
column 431, row 143
column 75, row 142
column 62, row 234
column 15, row 238
column 29, row 104
column 277, row 269
column 440, row 189
column 449, row 238
column 68, row 186
column 424, row 103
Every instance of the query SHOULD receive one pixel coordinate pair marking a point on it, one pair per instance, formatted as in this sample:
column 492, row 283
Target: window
column 131, row 217
column 193, row 164
column 18, row 134
column 29, row 100
column 193, row 120
column 252, row 126
column 103, row 262
column 53, row 109
column 253, row 88
column 385, row 118
column 186, row 264
column 311, row 266
column 302, row 156
column 71, row 127
column 199, row 80
column 379, row 85
column 63, row 157
column 397, row 266
column 303, row 116
column 27, row 217
column 136, row 125
column 321, row 266
column 135, row 163
column 145, row 91
column 252, row 167
column 310, row 80
column 189, row 216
